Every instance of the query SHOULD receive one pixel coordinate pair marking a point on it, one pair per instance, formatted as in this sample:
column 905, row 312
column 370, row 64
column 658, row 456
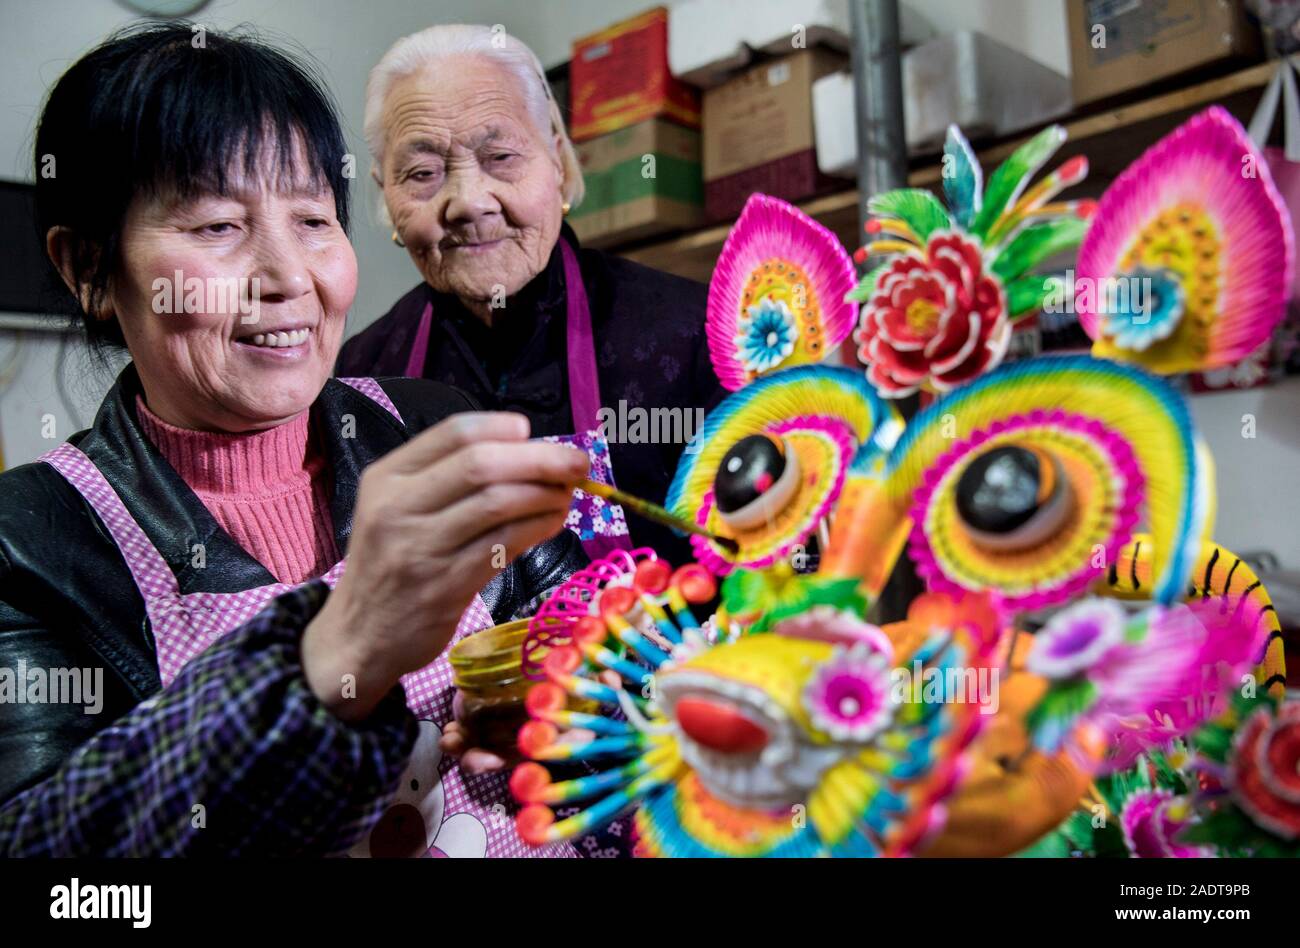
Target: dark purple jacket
column 651, row 358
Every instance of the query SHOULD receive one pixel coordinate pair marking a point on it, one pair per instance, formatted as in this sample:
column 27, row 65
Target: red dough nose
column 719, row 727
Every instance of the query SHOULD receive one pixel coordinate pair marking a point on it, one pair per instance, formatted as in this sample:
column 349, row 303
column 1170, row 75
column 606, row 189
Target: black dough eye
column 998, row 491
column 749, row 469
column 1012, row 497
column 755, row 480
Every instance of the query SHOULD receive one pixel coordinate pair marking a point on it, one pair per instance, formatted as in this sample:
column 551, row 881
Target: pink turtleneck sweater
column 267, row 489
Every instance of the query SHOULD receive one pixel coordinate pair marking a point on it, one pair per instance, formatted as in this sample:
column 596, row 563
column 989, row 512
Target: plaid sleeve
column 236, row 757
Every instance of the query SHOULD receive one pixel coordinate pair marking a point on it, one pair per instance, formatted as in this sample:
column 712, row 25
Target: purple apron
column 598, row 523
column 458, row 814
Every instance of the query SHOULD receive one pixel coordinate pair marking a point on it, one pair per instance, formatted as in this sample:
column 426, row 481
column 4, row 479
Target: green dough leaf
column 1027, row 294
column 866, row 286
column 1012, row 175
column 1035, row 244
column 917, row 208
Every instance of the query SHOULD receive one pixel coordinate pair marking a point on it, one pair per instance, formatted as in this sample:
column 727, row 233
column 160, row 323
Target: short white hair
column 410, row 54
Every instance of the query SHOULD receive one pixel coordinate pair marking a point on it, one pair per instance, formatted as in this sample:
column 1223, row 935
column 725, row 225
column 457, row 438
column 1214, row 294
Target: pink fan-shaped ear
column 1187, row 263
column 777, row 294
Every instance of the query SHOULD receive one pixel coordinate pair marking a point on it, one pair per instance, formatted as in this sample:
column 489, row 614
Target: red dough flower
column 935, row 322
column 1265, row 779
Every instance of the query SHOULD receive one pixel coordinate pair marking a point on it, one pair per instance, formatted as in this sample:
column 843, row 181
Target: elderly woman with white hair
column 477, row 174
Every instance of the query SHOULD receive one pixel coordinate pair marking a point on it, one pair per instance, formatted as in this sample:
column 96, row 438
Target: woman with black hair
column 178, row 557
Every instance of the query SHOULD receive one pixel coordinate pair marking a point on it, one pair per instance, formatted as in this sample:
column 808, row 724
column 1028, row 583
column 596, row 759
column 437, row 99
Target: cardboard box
column 759, row 133
column 619, row 77
column 641, row 181
column 1119, row 45
column 708, row 42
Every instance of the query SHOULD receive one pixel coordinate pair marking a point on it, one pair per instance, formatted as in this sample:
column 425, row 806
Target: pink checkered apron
column 186, row 624
column 598, row 523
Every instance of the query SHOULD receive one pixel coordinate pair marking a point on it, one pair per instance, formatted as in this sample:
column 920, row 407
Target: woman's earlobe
column 61, row 246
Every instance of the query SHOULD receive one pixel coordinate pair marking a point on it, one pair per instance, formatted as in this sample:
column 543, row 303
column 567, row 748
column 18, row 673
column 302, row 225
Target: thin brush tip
column 728, row 544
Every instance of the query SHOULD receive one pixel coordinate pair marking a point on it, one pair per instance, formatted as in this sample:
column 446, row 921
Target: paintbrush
column 656, row 513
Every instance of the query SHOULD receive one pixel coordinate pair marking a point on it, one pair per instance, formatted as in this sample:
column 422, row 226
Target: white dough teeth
column 259, row 339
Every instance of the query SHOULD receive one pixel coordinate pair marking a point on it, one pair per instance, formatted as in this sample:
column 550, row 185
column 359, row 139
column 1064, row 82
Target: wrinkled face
column 472, row 186
column 233, row 305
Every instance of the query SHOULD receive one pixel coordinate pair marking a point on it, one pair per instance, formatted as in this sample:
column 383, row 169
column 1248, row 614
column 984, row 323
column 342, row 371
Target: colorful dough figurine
column 1027, row 481
column 785, row 724
column 1218, row 575
column 767, row 467
column 940, row 312
column 723, row 749
column 1187, row 264
column 777, row 297
column 770, row 460
column 810, row 739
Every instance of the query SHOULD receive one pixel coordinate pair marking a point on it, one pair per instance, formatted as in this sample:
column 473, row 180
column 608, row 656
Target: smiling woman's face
column 266, row 277
column 472, row 186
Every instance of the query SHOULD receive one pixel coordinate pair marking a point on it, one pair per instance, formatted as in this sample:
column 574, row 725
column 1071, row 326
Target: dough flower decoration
column 940, row 312
column 1143, row 679
column 777, row 294
column 1187, row 263
column 848, row 697
column 1264, row 775
column 938, row 319
column 1247, row 767
column 1152, row 822
column 1151, row 314
column 767, row 335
